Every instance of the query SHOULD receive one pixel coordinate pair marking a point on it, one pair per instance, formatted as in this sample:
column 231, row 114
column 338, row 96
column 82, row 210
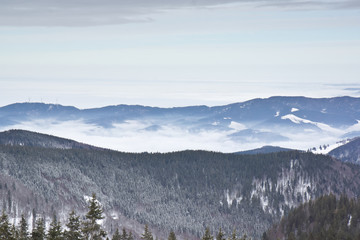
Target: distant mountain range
column 290, row 122
column 42, row 175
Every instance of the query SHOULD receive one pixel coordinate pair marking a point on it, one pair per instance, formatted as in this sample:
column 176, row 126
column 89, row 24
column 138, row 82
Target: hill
column 325, row 218
column 28, row 138
column 184, row 191
column 265, row 149
column 349, row 152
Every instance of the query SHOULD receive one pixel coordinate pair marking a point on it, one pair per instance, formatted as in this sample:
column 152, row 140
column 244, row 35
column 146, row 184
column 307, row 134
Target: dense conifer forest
column 184, row 192
column 326, row 218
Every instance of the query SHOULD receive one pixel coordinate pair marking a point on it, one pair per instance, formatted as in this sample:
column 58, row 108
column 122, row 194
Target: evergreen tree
column 124, row 235
column 55, row 232
column 38, row 233
column 116, row 235
column 74, row 227
column 172, row 236
column 147, row 235
column 5, row 227
column 92, row 229
column 233, row 235
column 220, row 235
column 244, row 237
column 14, row 232
column 207, row 235
column 130, row 237
column 23, row 229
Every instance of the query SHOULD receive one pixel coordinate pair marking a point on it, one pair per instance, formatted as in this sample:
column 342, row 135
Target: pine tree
column 124, row 235
column 220, row 235
column 92, row 229
column 130, row 237
column 23, row 229
column 207, row 235
column 38, row 233
column 5, row 227
column 172, row 236
column 147, row 235
column 74, row 228
column 117, row 235
column 55, row 232
column 233, row 235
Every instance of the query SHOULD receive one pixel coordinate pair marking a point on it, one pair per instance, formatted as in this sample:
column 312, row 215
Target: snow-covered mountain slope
column 348, row 152
column 181, row 191
column 289, row 122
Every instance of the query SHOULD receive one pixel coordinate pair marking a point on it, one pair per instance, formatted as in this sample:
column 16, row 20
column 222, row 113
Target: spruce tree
column 23, row 229
column 233, row 235
column 207, row 235
column 172, row 236
column 74, row 228
column 38, row 233
column 55, row 232
column 116, row 235
column 5, row 227
column 124, row 235
column 130, row 237
column 220, row 235
column 91, row 228
column 147, row 235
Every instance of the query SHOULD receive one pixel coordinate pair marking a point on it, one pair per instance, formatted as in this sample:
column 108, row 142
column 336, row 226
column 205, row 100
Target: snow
column 322, row 126
column 114, row 215
column 355, row 127
column 294, row 109
column 329, row 148
column 349, row 222
column 237, row 126
column 231, row 197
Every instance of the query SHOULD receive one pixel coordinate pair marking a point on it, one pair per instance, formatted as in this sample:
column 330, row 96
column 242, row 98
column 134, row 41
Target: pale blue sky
column 176, row 53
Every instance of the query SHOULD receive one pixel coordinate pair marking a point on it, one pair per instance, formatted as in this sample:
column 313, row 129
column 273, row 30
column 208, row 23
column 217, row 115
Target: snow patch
column 237, row 126
column 329, row 148
column 349, row 222
column 231, row 197
column 114, row 215
column 294, row 109
column 322, row 126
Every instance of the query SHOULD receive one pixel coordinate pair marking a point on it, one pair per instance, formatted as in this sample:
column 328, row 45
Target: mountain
column 349, row 152
column 28, row 138
column 265, row 149
column 182, row 191
column 325, row 218
column 292, row 122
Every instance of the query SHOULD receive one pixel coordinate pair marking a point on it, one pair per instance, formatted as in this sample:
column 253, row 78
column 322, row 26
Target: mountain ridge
column 186, row 189
column 291, row 122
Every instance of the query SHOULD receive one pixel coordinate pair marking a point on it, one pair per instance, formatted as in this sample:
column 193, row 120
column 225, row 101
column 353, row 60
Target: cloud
column 135, row 136
column 109, row 12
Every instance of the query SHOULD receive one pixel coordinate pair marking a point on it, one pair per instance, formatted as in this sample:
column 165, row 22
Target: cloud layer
column 108, row 12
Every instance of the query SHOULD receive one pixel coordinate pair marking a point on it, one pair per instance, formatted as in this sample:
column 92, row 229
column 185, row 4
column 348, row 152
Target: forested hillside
column 181, row 191
column 325, row 218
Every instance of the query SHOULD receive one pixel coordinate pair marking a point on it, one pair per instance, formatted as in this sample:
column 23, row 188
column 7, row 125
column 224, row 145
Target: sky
column 176, row 53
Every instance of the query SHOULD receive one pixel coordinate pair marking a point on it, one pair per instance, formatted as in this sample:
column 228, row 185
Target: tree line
column 89, row 229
